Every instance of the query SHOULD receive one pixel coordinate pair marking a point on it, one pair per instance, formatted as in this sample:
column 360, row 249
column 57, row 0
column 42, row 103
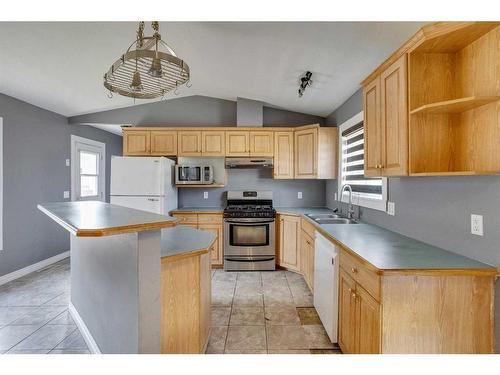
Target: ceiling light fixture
column 145, row 72
column 304, row 82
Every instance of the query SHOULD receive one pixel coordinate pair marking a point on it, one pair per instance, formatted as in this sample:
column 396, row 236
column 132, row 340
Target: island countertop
column 97, row 219
column 182, row 241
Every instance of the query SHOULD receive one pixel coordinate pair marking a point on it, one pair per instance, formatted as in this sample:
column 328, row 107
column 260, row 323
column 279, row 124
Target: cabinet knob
column 354, row 270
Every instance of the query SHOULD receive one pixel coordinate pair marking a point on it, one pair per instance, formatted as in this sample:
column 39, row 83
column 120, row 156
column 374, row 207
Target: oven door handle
column 249, row 222
column 249, row 259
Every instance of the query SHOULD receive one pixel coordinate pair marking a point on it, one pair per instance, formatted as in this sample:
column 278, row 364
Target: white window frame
column 74, row 157
column 357, row 199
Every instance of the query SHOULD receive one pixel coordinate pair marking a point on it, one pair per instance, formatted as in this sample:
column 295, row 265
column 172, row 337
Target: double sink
column 330, row 219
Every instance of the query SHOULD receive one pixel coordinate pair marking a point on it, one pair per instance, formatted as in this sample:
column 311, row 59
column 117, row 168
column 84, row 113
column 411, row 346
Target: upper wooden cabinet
column 189, row 143
column 316, row 153
column 213, row 143
column 385, row 120
column 283, row 155
column 261, row 143
column 237, row 143
column 164, row 142
column 435, row 104
column 136, row 143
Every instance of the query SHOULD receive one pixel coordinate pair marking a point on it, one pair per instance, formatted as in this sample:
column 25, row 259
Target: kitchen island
column 126, row 265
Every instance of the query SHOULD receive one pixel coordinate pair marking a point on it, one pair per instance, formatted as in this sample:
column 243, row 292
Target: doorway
column 88, row 169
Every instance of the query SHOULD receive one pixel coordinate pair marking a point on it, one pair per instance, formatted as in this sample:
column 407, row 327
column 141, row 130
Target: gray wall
column 191, row 111
column 437, row 210
column 36, row 144
column 285, row 191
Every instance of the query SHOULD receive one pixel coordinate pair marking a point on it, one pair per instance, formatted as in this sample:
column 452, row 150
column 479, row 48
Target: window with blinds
column 352, row 164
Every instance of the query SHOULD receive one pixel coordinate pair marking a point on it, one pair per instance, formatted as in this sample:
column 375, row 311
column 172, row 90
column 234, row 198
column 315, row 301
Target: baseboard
column 34, row 267
column 87, row 336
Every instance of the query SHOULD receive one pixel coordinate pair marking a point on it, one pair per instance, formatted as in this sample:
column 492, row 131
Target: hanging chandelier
column 145, row 72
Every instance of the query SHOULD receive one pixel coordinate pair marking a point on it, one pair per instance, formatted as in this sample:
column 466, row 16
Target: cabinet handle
column 308, row 242
column 354, row 270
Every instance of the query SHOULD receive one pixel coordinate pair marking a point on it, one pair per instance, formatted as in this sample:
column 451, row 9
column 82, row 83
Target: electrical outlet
column 67, row 162
column 335, row 196
column 205, row 195
column 299, row 195
column 476, row 224
column 391, row 208
column 66, row 195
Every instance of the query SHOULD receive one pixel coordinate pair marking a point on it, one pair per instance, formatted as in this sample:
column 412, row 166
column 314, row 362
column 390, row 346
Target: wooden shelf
column 455, row 105
column 200, row 186
column 443, row 173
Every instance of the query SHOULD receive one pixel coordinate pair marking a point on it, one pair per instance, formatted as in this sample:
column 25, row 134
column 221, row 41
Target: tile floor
column 34, row 317
column 252, row 312
column 264, row 313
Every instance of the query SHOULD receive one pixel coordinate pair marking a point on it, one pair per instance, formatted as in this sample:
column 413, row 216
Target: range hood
column 249, row 162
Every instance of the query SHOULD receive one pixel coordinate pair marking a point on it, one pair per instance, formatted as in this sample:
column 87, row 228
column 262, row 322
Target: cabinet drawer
column 365, row 276
column 308, row 228
column 209, row 218
column 186, row 218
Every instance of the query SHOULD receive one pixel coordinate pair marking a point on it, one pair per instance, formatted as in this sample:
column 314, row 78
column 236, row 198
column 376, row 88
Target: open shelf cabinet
column 454, row 102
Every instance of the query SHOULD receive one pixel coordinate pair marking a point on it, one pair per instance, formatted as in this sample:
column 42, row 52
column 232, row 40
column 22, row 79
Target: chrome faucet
column 350, row 210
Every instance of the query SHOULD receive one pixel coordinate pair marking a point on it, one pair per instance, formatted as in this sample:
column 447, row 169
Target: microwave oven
column 194, row 174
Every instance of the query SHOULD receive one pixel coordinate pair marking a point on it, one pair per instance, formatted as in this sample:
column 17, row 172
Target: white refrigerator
column 143, row 183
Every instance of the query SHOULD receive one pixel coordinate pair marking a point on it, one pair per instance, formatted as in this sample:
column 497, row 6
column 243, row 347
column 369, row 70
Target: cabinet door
column 289, row 242
column 237, row 143
column 283, row 155
column 213, row 143
column 310, row 263
column 394, row 119
column 216, row 253
column 373, row 128
column 261, row 143
column 367, row 322
column 164, row 142
column 189, row 143
column 347, row 314
column 136, row 142
column 304, row 259
column 306, row 153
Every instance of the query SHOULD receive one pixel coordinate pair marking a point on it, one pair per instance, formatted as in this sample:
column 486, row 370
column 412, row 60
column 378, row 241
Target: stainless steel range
column 249, row 231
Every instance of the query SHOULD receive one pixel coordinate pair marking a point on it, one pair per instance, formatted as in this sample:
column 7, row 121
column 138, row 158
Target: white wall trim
column 1, row 184
column 87, row 336
column 74, row 140
column 34, row 267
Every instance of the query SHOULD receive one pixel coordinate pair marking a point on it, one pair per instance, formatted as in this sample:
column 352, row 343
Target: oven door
column 188, row 175
column 249, row 237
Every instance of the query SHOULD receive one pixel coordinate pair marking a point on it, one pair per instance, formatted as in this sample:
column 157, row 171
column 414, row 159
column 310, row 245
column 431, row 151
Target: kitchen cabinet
column 307, row 259
column 433, row 107
column 359, row 318
column 136, row 143
column 289, row 242
column 283, row 155
column 261, row 143
column 210, row 222
column 316, row 153
column 213, row 143
column 189, row 143
column 237, row 143
column 386, row 122
column 163, row 142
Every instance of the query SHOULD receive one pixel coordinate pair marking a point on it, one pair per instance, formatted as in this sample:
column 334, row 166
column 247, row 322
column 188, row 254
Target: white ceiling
column 59, row 66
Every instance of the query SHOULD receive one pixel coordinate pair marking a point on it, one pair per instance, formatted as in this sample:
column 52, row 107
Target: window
column 368, row 192
column 87, row 173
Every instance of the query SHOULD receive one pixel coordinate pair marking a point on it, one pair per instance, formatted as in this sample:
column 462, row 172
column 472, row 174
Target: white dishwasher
column 326, row 285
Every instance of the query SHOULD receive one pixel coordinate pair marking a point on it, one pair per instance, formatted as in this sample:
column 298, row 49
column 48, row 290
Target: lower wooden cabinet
column 289, row 242
column 210, row 222
column 307, row 259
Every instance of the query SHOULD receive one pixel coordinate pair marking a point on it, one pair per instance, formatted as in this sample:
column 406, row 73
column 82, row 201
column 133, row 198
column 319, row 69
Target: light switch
column 391, row 208
column 476, row 224
column 66, row 195
column 335, row 196
column 205, row 195
column 67, row 162
column 299, row 195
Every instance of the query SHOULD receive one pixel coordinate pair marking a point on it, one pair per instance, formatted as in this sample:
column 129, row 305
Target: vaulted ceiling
column 59, row 66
